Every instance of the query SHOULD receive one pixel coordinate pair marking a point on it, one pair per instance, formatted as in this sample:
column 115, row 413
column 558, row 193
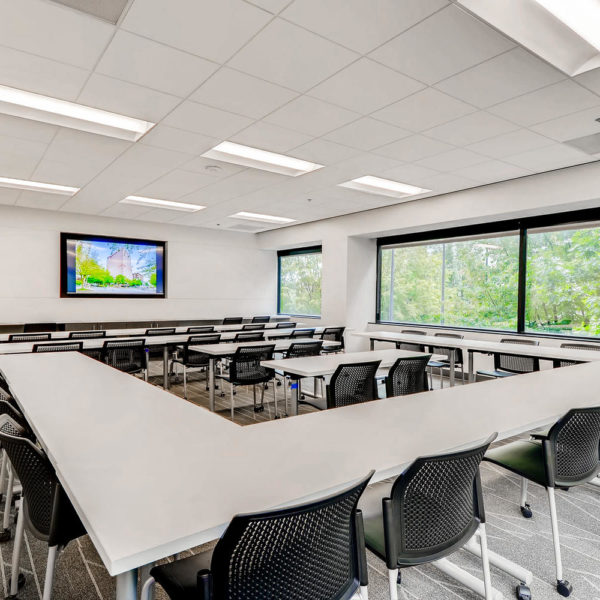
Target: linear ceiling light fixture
column 156, row 203
column 37, row 186
column 383, row 187
column 249, row 216
column 261, row 159
column 36, row 107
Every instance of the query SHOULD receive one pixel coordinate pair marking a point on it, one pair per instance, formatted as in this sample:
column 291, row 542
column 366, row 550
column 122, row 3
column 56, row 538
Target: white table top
column 226, row 349
column 544, row 352
column 314, row 366
column 151, row 474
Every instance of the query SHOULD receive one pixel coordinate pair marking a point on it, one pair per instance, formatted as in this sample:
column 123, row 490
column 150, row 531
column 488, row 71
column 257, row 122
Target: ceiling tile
column 18, row 158
column 323, row 152
column 213, row 122
column 311, row 116
column 126, row 98
column 150, row 64
column 572, row 126
column 357, row 24
column 411, row 174
column 25, row 129
column 442, row 45
column 160, row 215
column 66, row 173
column 175, row 184
column 365, row 86
column 366, row 134
column 413, row 148
column 423, row 110
column 214, row 30
column 591, row 80
column 557, row 100
column 470, row 129
column 491, row 171
column 125, row 211
column 448, row 182
column 548, row 158
column 452, row 160
column 40, row 200
column 501, row 78
column 53, row 31
column 291, row 56
column 200, row 164
column 242, row 94
column 8, row 197
column 273, row 6
column 40, row 75
column 511, row 143
column 171, row 138
column 270, row 137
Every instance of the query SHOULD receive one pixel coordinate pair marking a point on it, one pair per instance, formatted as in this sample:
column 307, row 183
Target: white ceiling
column 411, row 90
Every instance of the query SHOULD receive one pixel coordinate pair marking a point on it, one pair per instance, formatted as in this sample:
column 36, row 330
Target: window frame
column 295, row 252
column 521, row 226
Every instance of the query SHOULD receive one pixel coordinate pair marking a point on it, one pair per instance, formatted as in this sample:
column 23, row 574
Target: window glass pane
column 300, row 284
column 563, row 281
column 463, row 283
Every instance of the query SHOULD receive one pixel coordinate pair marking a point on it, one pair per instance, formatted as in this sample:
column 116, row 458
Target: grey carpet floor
column 81, row 576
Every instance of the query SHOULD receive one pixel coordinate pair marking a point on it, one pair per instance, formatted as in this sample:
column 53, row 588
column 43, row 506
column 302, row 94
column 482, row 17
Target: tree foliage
column 300, row 284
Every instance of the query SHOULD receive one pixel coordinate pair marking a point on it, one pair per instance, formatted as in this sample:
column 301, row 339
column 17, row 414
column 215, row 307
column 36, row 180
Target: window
column 299, row 290
column 539, row 275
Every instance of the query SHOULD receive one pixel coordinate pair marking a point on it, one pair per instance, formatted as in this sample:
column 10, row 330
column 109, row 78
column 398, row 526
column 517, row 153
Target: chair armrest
column 391, row 546
column 540, row 435
column 359, row 529
column 204, row 584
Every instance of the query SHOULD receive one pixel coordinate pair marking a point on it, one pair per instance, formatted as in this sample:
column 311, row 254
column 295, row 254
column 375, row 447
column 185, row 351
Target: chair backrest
column 125, row 355
column 28, row 337
column 193, row 357
column 160, row 331
column 261, row 319
column 233, row 320
column 249, row 336
column 201, row 329
column 572, row 447
column 458, row 355
column 408, row 345
column 514, row 363
column 574, row 346
column 302, row 333
column 253, row 326
column 285, row 325
column 436, row 505
column 334, row 334
column 313, row 550
column 414, row 331
column 59, row 347
column 352, row 384
column 245, row 367
column 407, row 376
column 300, row 349
column 87, row 335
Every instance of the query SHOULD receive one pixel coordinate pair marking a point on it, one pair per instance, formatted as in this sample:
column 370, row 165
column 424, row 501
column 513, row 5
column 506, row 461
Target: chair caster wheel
column 277, row 417
column 399, row 578
column 259, row 409
column 526, row 511
column 20, row 583
column 279, row 384
column 523, row 592
column 5, row 535
column 302, row 397
column 563, row 587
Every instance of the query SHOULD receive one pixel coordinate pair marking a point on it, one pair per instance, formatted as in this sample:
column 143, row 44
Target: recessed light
column 383, row 187
column 261, row 159
column 37, row 186
column 249, row 216
column 36, row 107
column 156, row 203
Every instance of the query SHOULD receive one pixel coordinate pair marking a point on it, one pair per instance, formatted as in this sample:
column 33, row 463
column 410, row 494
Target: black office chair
column 59, row 347
column 350, row 384
column 302, row 333
column 333, row 334
column 411, row 347
column 445, row 362
column 262, row 319
column 311, row 550
column 569, row 363
column 429, row 512
column 407, row 376
column 155, row 353
column 245, row 369
column 128, row 356
column 87, row 335
column 253, row 327
column 249, row 336
column 28, row 337
column 201, row 329
column 192, row 359
column 507, row 365
column 565, row 456
column 46, row 510
column 285, row 325
column 233, row 320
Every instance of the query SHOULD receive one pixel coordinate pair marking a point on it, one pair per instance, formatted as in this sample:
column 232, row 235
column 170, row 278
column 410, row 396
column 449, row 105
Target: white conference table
column 320, row 366
column 485, row 347
column 112, row 437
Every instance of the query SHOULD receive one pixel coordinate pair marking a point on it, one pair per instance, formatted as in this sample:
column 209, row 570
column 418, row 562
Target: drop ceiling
column 416, row 91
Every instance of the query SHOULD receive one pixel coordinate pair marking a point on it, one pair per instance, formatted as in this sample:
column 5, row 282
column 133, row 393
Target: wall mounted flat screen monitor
column 94, row 266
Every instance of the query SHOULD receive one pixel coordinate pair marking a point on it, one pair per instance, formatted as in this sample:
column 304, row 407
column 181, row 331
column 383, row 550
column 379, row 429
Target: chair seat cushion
column 523, row 457
column 496, row 373
column 370, row 504
column 179, row 578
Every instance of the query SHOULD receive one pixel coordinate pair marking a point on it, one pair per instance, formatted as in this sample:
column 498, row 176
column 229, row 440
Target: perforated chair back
column 300, row 349
column 458, row 355
column 310, row 551
column 253, row 326
column 7, row 408
column 414, row 331
column 126, row 355
column 245, row 367
column 28, row 337
column 285, row 325
column 261, row 319
column 233, row 320
column 353, row 384
column 302, row 333
column 249, row 336
column 334, row 334
column 87, row 335
column 407, row 376
column 436, row 505
column 572, row 447
column 193, row 358
column 572, row 346
column 201, row 329
column 59, row 347
column 514, row 363
column 160, row 331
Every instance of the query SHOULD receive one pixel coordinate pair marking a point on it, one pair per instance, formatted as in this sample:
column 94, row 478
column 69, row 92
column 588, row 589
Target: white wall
column 210, row 274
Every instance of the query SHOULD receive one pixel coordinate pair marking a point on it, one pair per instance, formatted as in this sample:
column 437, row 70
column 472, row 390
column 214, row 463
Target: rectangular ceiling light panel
column 157, row 203
column 383, row 187
column 249, row 216
column 37, row 186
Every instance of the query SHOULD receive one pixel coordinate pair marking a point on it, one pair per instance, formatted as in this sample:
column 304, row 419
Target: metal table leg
column 211, row 383
column 452, row 366
column 144, row 576
column 371, row 344
column 471, row 377
column 295, row 397
column 127, row 585
column 166, row 367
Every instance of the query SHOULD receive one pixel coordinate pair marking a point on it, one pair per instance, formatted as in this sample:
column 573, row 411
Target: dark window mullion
column 522, row 280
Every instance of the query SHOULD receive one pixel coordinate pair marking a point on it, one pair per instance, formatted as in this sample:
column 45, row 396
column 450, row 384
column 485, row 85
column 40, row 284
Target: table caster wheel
column 399, row 578
column 523, row 592
column 259, row 409
column 526, row 511
column 279, row 384
column 5, row 535
column 563, row 587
